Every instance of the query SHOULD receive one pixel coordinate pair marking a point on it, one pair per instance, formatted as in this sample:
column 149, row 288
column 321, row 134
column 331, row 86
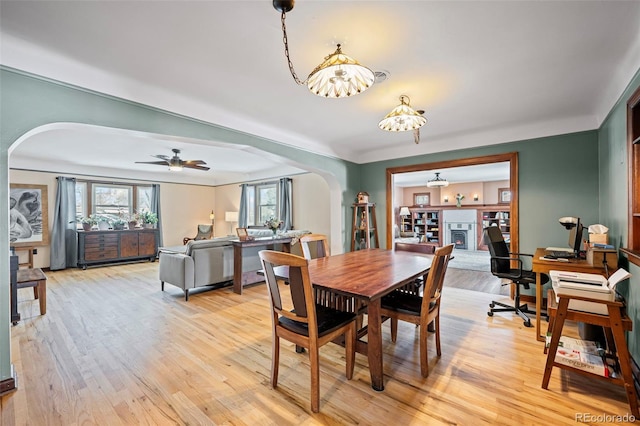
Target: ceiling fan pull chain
column 286, row 51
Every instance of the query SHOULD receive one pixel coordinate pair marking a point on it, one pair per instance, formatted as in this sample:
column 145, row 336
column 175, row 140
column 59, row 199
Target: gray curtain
column 285, row 209
column 64, row 239
column 242, row 214
column 155, row 208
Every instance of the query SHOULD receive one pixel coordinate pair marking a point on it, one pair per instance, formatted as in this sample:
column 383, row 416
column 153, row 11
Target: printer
column 593, row 286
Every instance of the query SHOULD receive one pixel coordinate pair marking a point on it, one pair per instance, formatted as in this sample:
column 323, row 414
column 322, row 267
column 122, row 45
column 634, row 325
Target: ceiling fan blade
column 159, row 163
column 194, row 166
column 194, row 162
column 162, row 157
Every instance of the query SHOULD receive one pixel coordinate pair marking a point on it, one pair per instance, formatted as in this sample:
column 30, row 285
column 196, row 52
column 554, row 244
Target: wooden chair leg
column 35, row 291
column 314, row 358
column 275, row 361
column 394, row 329
column 437, row 326
column 350, row 340
column 424, row 362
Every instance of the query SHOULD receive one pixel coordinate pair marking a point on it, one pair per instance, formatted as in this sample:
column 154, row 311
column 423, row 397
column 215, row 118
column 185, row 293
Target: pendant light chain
column 286, row 51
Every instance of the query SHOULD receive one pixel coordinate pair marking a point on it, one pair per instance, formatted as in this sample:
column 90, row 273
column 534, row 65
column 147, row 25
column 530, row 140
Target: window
column 262, row 203
column 633, row 137
column 111, row 200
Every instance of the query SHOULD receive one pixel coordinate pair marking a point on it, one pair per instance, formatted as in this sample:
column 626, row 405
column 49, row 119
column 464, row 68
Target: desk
column 540, row 266
column 615, row 323
column 367, row 275
column 266, row 243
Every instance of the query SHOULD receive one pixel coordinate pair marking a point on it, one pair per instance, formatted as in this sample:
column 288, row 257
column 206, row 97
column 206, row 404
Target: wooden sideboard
column 101, row 247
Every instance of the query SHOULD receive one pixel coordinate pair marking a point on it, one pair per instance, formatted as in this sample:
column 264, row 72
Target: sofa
column 201, row 263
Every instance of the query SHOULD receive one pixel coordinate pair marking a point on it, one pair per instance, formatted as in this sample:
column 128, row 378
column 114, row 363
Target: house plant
column 148, row 219
column 88, row 222
column 118, row 223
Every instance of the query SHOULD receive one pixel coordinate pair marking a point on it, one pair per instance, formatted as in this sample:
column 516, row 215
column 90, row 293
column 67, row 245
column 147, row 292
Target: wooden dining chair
column 300, row 320
column 317, row 242
column 420, row 310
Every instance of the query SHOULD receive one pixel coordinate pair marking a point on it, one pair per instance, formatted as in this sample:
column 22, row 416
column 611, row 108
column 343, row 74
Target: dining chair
column 314, row 244
column 420, row 310
column 297, row 318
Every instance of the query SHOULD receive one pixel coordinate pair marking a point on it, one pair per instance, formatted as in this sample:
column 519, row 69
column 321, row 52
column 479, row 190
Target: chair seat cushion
column 329, row 319
column 404, row 302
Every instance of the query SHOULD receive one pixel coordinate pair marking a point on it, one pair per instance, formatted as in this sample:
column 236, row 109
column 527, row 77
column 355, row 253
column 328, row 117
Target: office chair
column 501, row 267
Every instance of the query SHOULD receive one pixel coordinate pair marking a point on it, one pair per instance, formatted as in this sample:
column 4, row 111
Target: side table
column 267, row 243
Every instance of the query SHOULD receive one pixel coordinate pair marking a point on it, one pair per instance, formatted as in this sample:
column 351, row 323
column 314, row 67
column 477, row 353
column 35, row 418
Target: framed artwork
column 504, row 195
column 422, row 199
column 28, row 215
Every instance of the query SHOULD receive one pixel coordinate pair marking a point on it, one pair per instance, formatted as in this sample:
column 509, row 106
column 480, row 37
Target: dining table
column 367, row 275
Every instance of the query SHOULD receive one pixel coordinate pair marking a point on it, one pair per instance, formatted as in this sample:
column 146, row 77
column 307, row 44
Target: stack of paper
column 582, row 354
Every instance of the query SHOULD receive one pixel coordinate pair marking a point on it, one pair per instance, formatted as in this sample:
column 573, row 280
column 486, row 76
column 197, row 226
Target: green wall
column 558, row 176
column 612, row 139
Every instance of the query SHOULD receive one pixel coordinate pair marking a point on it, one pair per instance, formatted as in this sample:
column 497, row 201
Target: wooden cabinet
column 494, row 216
column 426, row 223
column 98, row 247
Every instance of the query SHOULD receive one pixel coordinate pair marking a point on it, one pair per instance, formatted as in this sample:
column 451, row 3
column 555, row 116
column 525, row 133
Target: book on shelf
column 584, row 355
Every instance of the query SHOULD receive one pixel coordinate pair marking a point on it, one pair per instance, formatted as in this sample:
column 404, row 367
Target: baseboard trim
column 10, row 384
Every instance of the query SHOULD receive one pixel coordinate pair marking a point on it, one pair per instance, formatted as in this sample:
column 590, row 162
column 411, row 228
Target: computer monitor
column 575, row 237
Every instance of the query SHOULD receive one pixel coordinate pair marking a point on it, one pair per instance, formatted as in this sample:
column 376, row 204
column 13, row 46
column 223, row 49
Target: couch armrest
column 176, row 269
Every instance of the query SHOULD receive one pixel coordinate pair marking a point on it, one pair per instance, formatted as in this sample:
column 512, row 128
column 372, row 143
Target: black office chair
column 501, row 267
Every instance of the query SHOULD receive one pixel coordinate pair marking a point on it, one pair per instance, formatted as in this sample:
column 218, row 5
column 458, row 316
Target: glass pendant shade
column 339, row 76
column 437, row 182
column 402, row 118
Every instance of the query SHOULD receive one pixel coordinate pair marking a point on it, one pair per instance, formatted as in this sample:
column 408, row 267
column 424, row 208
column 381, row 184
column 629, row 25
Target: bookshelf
column 426, row 222
column 499, row 216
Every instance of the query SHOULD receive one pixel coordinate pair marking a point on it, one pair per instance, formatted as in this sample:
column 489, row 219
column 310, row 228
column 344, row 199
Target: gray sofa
column 208, row 262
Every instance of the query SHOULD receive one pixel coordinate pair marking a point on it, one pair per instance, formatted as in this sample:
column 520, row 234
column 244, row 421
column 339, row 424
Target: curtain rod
column 267, row 182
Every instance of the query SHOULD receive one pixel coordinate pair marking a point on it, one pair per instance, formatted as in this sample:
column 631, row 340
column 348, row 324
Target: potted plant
column 118, row 224
column 132, row 220
column 88, row 222
column 103, row 223
column 148, row 219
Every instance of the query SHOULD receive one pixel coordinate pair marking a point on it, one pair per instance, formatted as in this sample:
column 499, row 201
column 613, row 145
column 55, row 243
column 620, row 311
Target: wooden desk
column 540, row 266
column 367, row 275
column 267, row 243
column 615, row 324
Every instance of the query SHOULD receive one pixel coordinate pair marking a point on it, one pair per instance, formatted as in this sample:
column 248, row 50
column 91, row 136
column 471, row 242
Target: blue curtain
column 242, row 214
column 285, row 209
column 64, row 240
column 155, row 208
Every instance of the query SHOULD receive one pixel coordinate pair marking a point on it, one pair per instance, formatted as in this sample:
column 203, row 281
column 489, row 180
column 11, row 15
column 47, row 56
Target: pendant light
column 437, row 182
column 402, row 118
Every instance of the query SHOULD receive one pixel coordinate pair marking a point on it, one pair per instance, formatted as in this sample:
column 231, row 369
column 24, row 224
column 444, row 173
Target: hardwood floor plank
column 114, row 349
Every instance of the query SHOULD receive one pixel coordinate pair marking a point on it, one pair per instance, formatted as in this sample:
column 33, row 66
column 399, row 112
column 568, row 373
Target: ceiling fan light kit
column 437, row 182
column 338, row 76
column 402, row 118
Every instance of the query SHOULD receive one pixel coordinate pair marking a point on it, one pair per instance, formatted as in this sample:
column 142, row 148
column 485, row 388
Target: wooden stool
column 38, row 280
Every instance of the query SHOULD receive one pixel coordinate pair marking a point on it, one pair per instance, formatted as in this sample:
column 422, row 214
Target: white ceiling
column 485, row 72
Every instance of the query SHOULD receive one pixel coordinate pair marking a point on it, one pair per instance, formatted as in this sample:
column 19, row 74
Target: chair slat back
column 497, row 248
column 299, row 292
column 435, row 278
column 321, row 245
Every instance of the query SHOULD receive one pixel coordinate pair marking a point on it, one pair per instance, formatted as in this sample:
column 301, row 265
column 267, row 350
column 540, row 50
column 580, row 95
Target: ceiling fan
column 175, row 162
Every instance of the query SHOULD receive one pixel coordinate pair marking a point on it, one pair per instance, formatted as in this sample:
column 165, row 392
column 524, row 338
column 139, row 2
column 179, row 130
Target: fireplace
column 460, row 228
column 459, row 238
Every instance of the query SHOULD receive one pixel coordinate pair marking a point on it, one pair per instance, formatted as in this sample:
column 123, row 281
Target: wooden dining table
column 367, row 275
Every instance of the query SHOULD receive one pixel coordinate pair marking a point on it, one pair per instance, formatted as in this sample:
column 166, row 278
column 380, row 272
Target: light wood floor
column 115, row 350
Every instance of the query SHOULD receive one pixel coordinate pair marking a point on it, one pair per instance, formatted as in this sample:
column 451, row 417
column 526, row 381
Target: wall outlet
column 35, row 251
